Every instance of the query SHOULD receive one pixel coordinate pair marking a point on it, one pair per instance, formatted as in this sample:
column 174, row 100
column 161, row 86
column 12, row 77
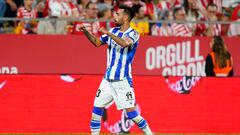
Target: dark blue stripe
column 115, row 30
column 132, row 52
column 132, row 114
column 132, row 39
column 129, row 80
column 109, row 58
column 95, row 124
column 104, row 39
column 142, row 124
column 118, row 70
column 96, row 127
column 126, row 73
column 120, row 34
column 119, row 65
column 130, row 56
column 98, row 111
column 109, row 50
column 127, row 62
column 113, row 57
column 112, row 62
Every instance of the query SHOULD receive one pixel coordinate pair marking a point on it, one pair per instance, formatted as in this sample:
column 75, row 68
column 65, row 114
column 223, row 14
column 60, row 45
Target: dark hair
column 128, row 11
column 220, row 51
column 136, row 8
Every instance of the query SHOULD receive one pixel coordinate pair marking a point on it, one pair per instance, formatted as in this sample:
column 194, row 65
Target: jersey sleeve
column 104, row 37
column 133, row 36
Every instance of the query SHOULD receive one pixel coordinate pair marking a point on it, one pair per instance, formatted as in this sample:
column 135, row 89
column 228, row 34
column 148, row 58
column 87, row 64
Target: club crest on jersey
column 135, row 35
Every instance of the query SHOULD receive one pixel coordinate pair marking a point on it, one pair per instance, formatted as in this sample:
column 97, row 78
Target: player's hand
column 81, row 27
column 103, row 30
column 128, row 40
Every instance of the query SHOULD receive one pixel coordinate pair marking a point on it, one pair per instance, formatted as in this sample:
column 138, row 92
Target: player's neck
column 124, row 27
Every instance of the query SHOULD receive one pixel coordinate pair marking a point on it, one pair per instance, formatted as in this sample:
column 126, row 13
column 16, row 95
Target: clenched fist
column 81, row 27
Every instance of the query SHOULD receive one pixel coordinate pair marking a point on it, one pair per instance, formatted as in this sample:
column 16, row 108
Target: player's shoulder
column 114, row 30
column 131, row 29
column 111, row 29
column 133, row 33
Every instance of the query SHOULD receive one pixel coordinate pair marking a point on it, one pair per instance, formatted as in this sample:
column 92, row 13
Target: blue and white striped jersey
column 119, row 59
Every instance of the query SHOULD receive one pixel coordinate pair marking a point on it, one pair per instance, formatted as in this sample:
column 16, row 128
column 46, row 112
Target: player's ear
column 125, row 18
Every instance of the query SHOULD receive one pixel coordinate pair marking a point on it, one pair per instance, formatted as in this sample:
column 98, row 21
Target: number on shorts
column 98, row 93
column 129, row 95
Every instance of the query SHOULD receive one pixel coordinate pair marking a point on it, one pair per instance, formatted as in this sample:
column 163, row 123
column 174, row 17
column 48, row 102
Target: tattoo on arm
column 94, row 40
column 119, row 40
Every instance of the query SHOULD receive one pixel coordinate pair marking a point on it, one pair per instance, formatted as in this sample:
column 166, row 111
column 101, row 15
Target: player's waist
column 112, row 79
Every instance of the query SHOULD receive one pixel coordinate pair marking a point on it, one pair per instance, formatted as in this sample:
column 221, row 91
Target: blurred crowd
column 180, row 16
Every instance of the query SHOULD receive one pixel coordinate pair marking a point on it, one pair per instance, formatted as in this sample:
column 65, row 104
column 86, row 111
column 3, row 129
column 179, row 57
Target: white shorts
column 118, row 91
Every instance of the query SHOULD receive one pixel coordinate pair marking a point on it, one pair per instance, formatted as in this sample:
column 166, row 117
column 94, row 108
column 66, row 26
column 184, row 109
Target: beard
column 117, row 23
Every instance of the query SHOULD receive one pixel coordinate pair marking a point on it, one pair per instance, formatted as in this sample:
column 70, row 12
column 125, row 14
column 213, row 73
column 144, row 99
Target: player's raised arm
column 120, row 41
column 94, row 40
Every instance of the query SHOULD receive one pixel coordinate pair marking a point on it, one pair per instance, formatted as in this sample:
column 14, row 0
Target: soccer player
column 117, row 85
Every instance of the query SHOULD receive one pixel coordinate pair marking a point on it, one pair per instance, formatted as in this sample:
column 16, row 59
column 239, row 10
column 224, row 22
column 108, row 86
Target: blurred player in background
column 117, row 83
